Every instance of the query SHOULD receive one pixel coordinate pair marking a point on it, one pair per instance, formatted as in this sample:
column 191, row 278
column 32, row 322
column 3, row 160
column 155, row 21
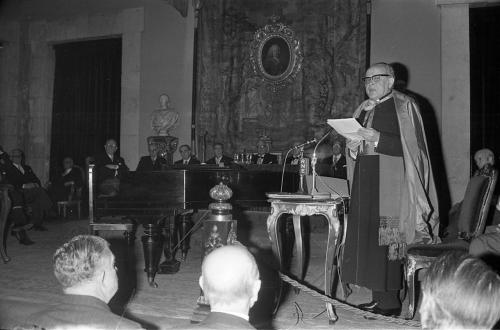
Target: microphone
column 305, row 143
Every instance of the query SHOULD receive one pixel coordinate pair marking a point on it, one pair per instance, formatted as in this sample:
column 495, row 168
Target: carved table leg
column 297, row 226
column 184, row 224
column 330, row 270
column 152, row 242
column 275, row 238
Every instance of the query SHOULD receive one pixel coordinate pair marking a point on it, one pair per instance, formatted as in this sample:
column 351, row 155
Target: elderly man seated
column 66, row 183
column 263, row 156
column 20, row 222
column 460, row 292
column 230, row 281
column 109, row 167
column 153, row 162
column 85, row 268
column 485, row 161
column 26, row 183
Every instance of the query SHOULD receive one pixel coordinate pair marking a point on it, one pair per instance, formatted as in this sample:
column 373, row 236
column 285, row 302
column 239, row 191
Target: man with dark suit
column 19, row 219
column 333, row 166
column 25, row 181
column 65, row 184
column 85, row 269
column 219, row 157
column 230, row 281
column 153, row 162
column 109, row 168
column 187, row 158
column 263, row 156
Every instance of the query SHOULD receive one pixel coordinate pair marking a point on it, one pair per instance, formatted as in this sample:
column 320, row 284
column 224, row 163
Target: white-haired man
column 230, row 281
column 85, row 268
column 393, row 197
column 460, row 292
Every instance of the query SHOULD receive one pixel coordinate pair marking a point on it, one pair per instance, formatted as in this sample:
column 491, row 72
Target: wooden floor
column 27, row 283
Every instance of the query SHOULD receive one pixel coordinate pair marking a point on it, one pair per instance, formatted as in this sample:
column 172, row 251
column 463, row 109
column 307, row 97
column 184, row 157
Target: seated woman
column 67, row 182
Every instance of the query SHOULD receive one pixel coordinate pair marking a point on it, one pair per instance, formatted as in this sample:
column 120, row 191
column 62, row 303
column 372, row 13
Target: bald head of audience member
column 230, row 280
column 86, row 266
column 484, row 157
column 460, row 292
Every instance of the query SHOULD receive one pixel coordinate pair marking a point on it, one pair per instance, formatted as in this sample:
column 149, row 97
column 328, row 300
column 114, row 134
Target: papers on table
column 347, row 127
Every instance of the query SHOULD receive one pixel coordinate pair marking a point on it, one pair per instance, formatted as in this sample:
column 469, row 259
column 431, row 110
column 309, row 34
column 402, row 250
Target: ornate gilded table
column 332, row 210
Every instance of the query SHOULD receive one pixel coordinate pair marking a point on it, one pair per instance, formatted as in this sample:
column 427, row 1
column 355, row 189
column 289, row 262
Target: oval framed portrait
column 276, row 55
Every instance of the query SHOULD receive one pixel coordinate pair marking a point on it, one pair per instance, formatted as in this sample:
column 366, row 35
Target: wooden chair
column 74, row 199
column 95, row 227
column 472, row 220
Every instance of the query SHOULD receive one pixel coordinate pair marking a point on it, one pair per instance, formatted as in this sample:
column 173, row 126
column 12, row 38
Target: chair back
column 476, row 204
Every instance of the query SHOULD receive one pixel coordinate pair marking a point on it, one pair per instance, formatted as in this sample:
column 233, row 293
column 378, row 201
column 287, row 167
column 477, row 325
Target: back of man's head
column 85, row 265
column 460, row 292
column 230, row 279
column 484, row 157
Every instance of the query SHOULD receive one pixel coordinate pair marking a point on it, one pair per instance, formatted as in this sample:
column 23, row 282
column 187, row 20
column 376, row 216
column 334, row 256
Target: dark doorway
column 485, row 82
column 87, row 99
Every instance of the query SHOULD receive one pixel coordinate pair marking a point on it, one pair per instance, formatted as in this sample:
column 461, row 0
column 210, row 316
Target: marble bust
column 164, row 118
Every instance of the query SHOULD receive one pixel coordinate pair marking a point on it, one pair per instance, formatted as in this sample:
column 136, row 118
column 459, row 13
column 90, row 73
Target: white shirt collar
column 243, row 316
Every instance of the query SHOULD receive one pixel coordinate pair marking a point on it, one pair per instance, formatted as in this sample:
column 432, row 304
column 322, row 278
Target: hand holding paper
column 347, row 127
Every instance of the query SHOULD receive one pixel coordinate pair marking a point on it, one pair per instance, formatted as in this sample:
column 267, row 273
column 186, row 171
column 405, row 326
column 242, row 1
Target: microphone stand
column 314, row 191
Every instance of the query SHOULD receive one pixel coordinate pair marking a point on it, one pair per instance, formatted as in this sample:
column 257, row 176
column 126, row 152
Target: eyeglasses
column 375, row 78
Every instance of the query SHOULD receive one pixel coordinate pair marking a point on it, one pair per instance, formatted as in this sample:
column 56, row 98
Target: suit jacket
column 267, row 159
column 217, row 320
column 146, row 164
column 74, row 175
column 325, row 167
column 226, row 160
column 103, row 173
column 77, row 310
column 192, row 161
column 16, row 178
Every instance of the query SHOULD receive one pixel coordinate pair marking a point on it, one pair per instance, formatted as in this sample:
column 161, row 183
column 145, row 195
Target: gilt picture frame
column 276, row 55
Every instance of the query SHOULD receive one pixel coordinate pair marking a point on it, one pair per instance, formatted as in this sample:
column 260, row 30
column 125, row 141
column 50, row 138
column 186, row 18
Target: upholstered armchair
column 471, row 223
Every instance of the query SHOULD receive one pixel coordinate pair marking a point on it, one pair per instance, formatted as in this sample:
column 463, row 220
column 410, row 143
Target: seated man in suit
column 336, row 163
column 109, row 167
column 153, row 162
column 485, row 162
column 25, row 182
column 85, row 268
column 17, row 216
column 263, row 156
column 67, row 182
column 460, row 292
column 230, row 282
column 294, row 159
column 187, row 157
column 219, row 157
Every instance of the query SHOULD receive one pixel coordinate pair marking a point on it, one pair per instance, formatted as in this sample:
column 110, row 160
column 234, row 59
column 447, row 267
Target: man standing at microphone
column 393, row 199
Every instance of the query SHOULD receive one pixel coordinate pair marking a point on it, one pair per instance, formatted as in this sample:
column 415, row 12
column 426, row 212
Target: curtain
column 87, row 99
column 234, row 107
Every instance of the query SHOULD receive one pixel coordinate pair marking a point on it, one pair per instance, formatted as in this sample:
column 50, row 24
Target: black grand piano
column 163, row 202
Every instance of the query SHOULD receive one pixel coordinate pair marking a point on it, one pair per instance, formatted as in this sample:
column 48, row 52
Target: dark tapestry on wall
column 235, row 107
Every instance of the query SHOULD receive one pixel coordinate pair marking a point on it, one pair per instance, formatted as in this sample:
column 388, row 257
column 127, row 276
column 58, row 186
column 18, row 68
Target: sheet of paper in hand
column 347, row 127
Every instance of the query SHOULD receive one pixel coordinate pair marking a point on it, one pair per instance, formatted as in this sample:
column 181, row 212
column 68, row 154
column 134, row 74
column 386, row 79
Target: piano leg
column 170, row 265
column 184, row 224
column 152, row 243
